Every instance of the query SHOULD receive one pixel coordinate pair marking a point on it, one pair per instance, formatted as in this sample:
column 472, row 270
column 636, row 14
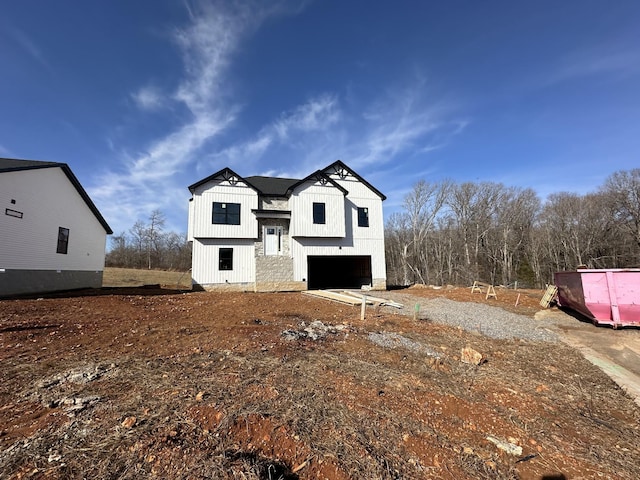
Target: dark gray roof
column 10, row 164
column 281, row 187
column 14, row 165
column 272, row 185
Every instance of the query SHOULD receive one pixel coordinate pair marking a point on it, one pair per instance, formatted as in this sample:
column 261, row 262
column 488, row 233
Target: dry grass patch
column 131, row 277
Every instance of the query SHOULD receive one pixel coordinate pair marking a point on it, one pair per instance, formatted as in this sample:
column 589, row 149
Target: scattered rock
column 315, row 331
column 81, row 375
column 471, row 356
column 73, row 405
column 54, row 457
column 394, row 340
column 199, row 396
column 129, row 422
column 508, row 447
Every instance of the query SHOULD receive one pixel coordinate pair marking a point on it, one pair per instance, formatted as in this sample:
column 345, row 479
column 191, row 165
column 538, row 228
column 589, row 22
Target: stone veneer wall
column 275, row 273
column 274, row 222
column 274, row 203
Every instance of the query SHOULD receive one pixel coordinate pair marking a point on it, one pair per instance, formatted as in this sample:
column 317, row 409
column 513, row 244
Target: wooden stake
column 364, row 307
column 517, row 300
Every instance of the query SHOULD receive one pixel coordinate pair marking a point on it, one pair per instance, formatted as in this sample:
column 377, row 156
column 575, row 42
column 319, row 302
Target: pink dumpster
column 608, row 296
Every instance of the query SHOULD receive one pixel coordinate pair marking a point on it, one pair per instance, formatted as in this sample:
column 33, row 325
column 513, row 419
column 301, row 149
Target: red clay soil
column 153, row 383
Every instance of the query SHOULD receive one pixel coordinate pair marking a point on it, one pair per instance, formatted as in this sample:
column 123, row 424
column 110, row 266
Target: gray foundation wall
column 19, row 282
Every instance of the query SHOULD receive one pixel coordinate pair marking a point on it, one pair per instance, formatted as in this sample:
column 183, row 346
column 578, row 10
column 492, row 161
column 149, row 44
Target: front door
column 272, row 240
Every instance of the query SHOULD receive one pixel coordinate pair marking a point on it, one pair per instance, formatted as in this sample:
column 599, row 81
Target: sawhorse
column 477, row 287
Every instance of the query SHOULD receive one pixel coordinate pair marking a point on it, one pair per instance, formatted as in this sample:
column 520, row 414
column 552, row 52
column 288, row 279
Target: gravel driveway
column 491, row 321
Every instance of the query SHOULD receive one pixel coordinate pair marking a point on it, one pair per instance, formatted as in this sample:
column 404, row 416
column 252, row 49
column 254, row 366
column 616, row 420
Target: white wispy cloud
column 407, row 119
column 28, row 45
column 295, row 131
column 318, row 114
column 402, row 122
column 603, row 60
column 149, row 98
column 147, row 179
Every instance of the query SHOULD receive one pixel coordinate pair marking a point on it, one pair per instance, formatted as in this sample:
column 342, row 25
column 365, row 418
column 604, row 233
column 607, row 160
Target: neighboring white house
column 267, row 233
column 52, row 236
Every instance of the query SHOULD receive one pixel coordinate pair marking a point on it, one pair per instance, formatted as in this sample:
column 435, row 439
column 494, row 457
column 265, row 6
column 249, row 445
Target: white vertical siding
column 302, row 201
column 375, row 230
column 362, row 196
column 206, row 270
column 47, row 200
column 201, row 224
column 357, row 240
column 190, row 221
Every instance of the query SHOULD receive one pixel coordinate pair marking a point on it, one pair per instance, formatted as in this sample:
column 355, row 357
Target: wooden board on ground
column 337, row 297
column 381, row 301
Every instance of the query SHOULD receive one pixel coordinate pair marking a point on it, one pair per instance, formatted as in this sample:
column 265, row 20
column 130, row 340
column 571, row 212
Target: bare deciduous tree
column 147, row 245
column 485, row 231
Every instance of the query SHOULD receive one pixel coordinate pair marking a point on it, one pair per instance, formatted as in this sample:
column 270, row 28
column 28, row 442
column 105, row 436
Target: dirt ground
column 161, row 383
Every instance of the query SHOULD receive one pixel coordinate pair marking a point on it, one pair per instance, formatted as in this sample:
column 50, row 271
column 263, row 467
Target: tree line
column 147, row 245
column 456, row 233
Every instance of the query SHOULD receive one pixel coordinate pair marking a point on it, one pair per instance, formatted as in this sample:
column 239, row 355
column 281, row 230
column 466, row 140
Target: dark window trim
column 319, row 213
column 363, row 217
column 13, row 213
column 225, row 259
column 224, row 213
column 63, row 240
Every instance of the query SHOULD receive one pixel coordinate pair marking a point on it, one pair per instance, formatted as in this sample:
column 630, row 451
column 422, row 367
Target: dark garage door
column 338, row 272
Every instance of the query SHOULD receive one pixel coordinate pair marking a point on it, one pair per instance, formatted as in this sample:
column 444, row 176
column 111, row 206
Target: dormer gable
column 342, row 173
column 224, row 177
column 317, row 178
column 318, row 207
column 222, row 207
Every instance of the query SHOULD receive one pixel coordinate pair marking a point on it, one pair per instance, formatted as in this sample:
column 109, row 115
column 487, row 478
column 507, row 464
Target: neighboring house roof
column 14, row 165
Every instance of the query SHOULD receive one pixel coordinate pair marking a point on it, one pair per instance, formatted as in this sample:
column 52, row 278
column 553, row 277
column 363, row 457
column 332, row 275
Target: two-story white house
column 267, row 233
column 52, row 236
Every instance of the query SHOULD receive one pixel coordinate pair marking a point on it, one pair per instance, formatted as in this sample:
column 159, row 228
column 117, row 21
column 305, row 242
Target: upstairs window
column 226, row 213
column 63, row 240
column 225, row 259
column 318, row 213
column 363, row 217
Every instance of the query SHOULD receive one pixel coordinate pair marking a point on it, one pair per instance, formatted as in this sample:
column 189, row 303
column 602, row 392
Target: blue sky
column 144, row 98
